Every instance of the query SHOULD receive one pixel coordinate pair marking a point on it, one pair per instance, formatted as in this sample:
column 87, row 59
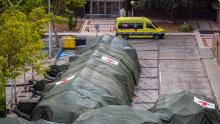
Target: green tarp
column 22, row 121
column 104, row 73
column 187, row 108
column 117, row 115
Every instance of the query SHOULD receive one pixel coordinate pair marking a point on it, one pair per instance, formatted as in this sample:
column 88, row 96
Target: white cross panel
column 204, row 103
column 109, row 60
column 65, row 80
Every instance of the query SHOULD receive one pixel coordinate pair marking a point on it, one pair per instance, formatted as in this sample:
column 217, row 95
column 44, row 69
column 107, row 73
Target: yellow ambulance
column 138, row 27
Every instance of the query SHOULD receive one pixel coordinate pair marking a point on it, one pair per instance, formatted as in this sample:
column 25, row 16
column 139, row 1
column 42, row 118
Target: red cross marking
column 204, row 103
column 64, row 81
column 109, row 60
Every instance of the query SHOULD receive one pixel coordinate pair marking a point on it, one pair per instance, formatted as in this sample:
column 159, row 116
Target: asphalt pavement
column 171, row 65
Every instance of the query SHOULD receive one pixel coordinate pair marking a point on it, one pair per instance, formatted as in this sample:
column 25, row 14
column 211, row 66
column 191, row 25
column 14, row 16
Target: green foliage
column 56, row 19
column 28, row 5
column 2, row 106
column 186, row 27
column 12, row 32
column 37, row 19
column 71, row 22
column 58, row 7
column 38, row 14
column 21, row 43
column 171, row 7
column 2, row 5
column 61, row 7
column 20, row 34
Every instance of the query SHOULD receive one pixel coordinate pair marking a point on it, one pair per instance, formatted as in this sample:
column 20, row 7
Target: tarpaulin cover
column 117, row 115
column 187, row 108
column 22, row 121
column 104, row 73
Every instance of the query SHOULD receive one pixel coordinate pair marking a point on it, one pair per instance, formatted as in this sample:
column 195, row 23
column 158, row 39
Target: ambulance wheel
column 125, row 36
column 156, row 37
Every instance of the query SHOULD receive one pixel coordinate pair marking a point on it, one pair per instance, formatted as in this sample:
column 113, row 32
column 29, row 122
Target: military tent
column 104, row 73
column 187, row 108
column 118, row 115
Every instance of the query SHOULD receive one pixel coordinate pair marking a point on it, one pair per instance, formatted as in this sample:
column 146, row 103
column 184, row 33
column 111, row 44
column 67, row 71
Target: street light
column 132, row 5
column 49, row 26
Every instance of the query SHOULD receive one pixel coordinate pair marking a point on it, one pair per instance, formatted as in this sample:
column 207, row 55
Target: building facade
column 104, row 7
column 216, row 6
column 111, row 8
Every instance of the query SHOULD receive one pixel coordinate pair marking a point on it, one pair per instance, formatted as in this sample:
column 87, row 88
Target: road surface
column 168, row 66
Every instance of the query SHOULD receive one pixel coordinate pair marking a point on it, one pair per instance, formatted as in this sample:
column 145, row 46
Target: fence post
column 216, row 47
column 217, row 44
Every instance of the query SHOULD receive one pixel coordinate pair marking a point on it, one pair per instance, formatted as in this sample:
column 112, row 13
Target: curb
column 179, row 34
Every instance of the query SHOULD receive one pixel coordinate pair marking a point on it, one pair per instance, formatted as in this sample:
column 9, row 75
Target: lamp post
column 49, row 27
column 132, row 6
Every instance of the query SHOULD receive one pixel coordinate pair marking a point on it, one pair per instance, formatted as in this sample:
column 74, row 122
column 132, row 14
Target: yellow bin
column 69, row 42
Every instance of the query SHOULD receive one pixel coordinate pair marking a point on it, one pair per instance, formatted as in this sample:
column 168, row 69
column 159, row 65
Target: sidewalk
column 204, row 42
column 204, row 38
column 106, row 25
column 213, row 72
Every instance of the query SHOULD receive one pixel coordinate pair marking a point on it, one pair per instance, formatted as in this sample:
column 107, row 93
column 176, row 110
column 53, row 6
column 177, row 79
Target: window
column 138, row 25
column 123, row 25
column 154, row 24
column 130, row 25
column 149, row 26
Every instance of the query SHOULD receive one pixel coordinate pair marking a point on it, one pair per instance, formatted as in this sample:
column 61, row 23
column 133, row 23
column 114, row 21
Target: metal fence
column 216, row 46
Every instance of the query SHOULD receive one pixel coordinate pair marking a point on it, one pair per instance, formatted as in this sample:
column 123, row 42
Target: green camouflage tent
column 104, row 73
column 187, row 108
column 117, row 115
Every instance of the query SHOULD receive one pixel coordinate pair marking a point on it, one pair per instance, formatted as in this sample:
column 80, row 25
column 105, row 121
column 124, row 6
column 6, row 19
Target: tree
column 4, row 4
column 36, row 19
column 172, row 7
column 20, row 38
column 59, row 9
column 63, row 7
column 12, row 32
column 1, row 6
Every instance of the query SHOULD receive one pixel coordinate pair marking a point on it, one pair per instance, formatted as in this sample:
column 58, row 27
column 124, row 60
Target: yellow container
column 69, row 42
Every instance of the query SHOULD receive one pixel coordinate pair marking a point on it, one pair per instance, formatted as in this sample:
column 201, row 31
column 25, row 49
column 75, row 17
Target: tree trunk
column 15, row 91
column 12, row 94
column 3, row 112
column 25, row 82
column 55, row 34
column 5, row 106
column 32, row 74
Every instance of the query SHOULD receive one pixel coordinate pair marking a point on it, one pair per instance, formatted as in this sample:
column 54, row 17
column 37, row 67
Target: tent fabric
column 104, row 73
column 117, row 115
column 22, row 121
column 186, row 108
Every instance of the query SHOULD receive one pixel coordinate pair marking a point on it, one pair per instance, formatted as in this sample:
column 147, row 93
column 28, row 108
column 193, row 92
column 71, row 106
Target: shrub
column 186, row 27
column 71, row 22
column 2, row 107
